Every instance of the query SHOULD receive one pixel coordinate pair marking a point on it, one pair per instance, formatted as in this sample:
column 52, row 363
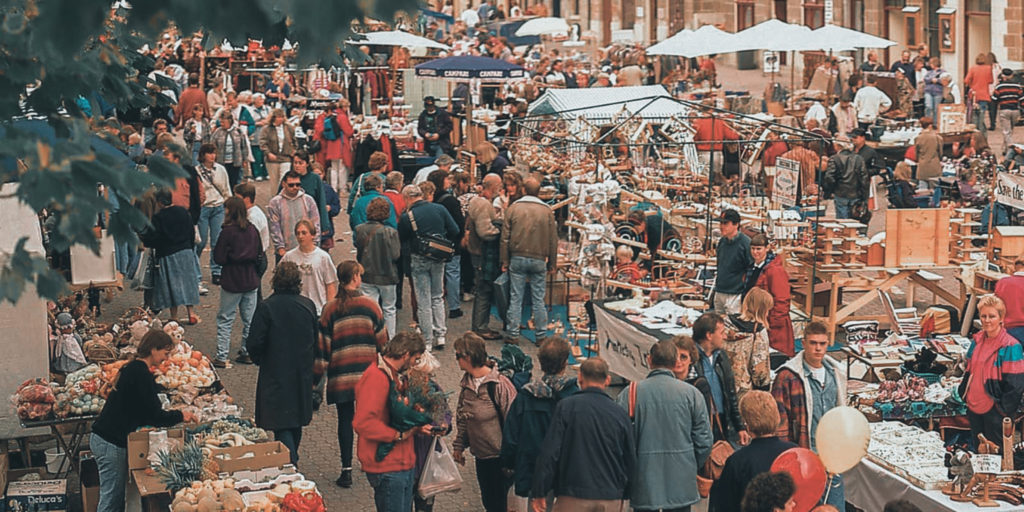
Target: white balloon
column 842, row 438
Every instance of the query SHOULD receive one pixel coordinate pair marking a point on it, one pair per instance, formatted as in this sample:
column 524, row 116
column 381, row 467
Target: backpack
column 332, row 130
column 515, row 365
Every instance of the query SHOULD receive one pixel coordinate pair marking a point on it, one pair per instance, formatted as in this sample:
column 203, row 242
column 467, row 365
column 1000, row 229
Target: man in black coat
column 588, row 453
column 283, row 342
column 435, row 126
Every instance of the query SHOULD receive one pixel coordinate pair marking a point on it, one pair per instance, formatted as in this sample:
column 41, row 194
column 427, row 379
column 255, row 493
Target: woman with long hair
column 175, row 277
column 351, row 332
column 747, row 342
column 133, row 403
column 233, row 150
column 237, row 251
column 512, row 192
column 277, row 141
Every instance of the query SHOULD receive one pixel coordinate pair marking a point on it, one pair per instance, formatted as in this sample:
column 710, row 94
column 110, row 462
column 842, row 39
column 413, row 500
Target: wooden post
column 989, row 250
column 1008, row 444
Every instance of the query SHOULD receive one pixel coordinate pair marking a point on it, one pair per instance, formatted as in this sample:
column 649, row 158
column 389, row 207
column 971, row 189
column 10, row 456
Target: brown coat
column 480, row 227
column 530, row 231
column 929, row 155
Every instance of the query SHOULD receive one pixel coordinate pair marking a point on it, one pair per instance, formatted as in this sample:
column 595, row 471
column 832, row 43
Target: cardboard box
column 89, row 477
column 149, row 485
column 253, row 457
column 138, row 446
column 36, row 496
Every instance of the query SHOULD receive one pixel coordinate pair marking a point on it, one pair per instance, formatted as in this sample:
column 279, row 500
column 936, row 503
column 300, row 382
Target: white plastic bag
column 440, row 474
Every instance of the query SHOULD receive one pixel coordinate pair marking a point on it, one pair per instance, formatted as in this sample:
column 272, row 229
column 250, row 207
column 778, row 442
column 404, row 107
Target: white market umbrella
column 397, row 38
column 774, row 35
column 836, row 38
column 669, row 45
column 705, row 40
column 543, row 26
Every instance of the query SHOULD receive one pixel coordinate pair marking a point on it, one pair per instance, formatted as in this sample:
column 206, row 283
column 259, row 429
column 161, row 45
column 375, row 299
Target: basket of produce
column 34, row 400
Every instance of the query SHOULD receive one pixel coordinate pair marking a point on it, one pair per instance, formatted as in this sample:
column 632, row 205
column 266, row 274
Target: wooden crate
column 1009, row 240
column 916, row 237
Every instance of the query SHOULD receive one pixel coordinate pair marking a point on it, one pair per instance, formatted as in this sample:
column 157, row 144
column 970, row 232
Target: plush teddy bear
column 138, row 329
column 175, row 331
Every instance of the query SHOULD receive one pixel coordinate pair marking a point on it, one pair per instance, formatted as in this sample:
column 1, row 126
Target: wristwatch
column 401, row 435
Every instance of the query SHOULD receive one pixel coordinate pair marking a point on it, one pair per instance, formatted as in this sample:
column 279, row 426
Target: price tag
column 986, row 463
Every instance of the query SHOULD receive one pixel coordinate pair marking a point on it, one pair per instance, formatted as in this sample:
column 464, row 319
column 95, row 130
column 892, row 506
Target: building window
column 744, row 15
column 895, row 4
column 979, row 6
column 814, row 14
column 628, row 14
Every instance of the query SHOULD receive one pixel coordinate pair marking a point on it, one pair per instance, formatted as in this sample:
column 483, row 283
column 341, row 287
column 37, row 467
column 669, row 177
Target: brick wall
column 1014, row 16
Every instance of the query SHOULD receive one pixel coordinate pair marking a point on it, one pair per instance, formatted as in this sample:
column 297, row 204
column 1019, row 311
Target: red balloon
column 808, row 474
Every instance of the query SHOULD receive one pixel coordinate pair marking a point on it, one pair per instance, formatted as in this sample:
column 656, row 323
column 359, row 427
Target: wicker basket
column 930, row 378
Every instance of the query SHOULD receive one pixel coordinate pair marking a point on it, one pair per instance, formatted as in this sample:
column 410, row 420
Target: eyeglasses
column 459, row 355
column 293, row 185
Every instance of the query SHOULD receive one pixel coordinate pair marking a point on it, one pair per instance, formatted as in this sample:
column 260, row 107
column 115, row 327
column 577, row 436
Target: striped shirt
column 1009, row 96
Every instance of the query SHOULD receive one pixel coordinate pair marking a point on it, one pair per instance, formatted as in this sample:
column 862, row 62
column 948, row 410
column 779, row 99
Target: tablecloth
column 869, row 487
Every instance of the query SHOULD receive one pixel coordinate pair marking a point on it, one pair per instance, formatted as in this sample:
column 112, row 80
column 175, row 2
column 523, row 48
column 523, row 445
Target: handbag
column 502, row 293
column 712, row 470
column 432, row 247
column 440, row 474
column 860, row 212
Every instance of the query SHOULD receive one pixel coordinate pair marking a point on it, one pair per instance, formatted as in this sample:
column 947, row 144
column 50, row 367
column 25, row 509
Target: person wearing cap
column 929, row 151
column 733, row 260
column 769, row 274
column 870, row 102
column 435, row 126
column 1014, row 158
column 873, row 162
column 846, row 178
column 1009, row 98
column 1011, row 290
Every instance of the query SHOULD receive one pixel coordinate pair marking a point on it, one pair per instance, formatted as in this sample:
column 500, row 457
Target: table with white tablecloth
column 869, row 487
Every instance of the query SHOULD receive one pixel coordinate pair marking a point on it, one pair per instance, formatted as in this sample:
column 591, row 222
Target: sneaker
column 345, row 480
column 215, row 279
column 439, row 343
column 488, row 334
column 203, row 290
column 454, row 313
column 243, row 359
column 466, row 297
column 220, row 363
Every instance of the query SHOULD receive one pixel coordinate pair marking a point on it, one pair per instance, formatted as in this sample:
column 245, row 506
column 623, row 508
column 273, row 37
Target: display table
column 69, row 433
column 869, row 487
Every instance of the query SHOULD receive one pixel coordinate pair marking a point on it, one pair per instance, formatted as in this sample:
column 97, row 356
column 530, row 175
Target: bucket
column 54, row 458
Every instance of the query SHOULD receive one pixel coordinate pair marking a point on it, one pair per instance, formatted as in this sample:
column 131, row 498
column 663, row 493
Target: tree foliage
column 53, row 52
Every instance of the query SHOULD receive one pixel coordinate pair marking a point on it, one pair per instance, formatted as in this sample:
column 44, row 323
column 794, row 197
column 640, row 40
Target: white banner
column 787, row 178
column 1010, row 190
column 623, row 346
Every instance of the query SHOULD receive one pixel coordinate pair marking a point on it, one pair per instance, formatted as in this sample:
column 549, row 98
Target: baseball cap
column 858, row 132
column 730, row 216
column 429, row 100
column 1007, row 72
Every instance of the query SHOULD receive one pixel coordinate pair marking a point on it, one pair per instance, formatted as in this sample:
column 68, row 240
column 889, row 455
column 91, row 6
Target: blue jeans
column 522, row 270
column 843, row 206
column 453, row 282
column 127, row 258
column 931, row 104
column 290, row 437
column 428, row 280
column 836, row 493
column 195, row 151
column 981, row 117
column 386, row 296
column 210, row 220
column 434, row 148
column 229, row 303
column 112, row 461
column 392, row 492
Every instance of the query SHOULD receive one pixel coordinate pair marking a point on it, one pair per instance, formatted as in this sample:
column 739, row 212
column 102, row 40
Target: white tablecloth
column 869, row 487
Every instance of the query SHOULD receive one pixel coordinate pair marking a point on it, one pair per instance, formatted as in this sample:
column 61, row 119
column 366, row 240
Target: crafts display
column 909, row 452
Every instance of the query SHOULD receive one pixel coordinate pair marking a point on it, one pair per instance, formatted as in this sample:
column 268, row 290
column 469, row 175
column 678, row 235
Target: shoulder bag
column 432, row 247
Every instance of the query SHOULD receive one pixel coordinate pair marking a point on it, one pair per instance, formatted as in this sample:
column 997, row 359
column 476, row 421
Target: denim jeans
column 483, row 298
column 392, row 492
column 385, row 294
column 980, row 116
column 836, row 493
column 931, row 104
column 195, row 151
column 290, row 437
column 843, row 207
column 127, row 258
column 112, row 461
column 522, row 270
column 428, row 281
column 453, row 282
column 434, row 148
column 210, row 220
column 229, row 303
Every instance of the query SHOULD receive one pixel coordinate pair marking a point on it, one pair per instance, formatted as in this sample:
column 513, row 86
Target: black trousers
column 990, row 424
column 493, row 484
column 346, row 411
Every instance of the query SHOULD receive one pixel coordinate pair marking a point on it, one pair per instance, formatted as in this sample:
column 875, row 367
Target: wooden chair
column 904, row 320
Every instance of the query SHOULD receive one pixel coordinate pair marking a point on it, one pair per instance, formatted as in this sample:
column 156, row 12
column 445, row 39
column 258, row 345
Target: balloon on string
column 842, row 438
column 808, row 474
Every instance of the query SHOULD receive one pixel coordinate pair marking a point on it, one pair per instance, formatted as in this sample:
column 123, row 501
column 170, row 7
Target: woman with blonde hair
column 747, row 342
column 277, row 141
column 902, row 191
column 490, row 159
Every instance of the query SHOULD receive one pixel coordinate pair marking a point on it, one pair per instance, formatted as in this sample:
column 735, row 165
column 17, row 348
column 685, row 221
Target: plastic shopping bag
column 502, row 292
column 440, row 474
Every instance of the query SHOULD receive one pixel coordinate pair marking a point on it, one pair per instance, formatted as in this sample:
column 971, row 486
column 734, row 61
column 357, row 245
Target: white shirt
column 259, row 219
column 421, row 175
column 817, row 111
column 818, row 374
column 470, row 17
column 317, row 271
column 870, row 102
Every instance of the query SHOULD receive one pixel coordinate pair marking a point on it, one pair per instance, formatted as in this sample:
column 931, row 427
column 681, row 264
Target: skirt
column 175, row 282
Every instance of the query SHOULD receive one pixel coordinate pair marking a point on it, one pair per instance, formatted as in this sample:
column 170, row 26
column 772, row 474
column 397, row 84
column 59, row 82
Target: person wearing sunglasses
column 286, row 209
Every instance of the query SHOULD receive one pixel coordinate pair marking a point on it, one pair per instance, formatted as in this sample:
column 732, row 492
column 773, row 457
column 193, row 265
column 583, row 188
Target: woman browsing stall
column 994, row 379
column 132, row 404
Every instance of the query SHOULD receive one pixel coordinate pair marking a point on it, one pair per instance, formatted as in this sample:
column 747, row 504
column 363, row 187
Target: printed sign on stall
column 1010, row 190
column 787, row 177
column 623, row 346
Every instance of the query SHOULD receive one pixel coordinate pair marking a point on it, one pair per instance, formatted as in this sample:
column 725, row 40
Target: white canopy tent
column 543, row 26
column 836, row 38
column 774, row 35
column 705, row 40
column 397, row 38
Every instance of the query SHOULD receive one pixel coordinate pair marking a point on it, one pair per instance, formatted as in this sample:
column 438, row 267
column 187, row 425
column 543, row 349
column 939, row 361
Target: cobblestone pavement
column 320, row 458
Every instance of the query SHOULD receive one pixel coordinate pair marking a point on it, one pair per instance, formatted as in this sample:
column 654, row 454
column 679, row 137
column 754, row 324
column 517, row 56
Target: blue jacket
column 431, row 219
column 358, row 215
column 588, row 452
column 527, row 424
column 672, row 431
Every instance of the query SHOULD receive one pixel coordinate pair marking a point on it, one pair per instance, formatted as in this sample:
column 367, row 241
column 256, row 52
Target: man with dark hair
column 733, row 261
column 529, row 250
column 873, row 162
column 247, row 192
column 435, row 127
column 588, row 456
column 530, row 416
column 373, row 187
column 453, row 268
column 673, row 435
column 846, row 177
column 286, row 209
column 192, row 95
column 769, row 492
column 716, row 368
column 806, row 387
column 768, row 274
column 1009, row 98
column 391, row 477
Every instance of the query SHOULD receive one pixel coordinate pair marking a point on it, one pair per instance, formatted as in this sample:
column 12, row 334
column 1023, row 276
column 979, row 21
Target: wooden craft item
column 917, row 237
column 985, row 447
column 1008, row 432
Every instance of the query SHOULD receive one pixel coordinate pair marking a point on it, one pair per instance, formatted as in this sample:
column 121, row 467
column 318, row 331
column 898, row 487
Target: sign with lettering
column 787, row 178
column 623, row 346
column 1009, row 190
column 986, row 463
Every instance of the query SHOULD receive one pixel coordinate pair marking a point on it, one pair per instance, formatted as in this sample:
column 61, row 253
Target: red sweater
column 710, row 133
column 1011, row 290
column 371, row 423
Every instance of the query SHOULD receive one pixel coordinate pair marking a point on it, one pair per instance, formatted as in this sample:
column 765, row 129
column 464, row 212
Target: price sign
column 787, row 177
column 986, row 463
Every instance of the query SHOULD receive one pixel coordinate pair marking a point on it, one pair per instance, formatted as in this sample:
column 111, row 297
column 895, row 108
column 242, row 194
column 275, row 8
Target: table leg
column 972, row 305
column 910, row 294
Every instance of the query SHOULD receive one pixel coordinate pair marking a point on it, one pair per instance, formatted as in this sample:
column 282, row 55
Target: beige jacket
column 530, row 231
column 480, row 224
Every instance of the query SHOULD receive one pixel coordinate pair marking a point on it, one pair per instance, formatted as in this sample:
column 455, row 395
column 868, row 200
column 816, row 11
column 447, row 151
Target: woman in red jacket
column 769, row 275
column 335, row 144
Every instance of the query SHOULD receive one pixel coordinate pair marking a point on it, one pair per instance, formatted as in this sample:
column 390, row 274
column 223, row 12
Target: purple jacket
column 237, row 251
